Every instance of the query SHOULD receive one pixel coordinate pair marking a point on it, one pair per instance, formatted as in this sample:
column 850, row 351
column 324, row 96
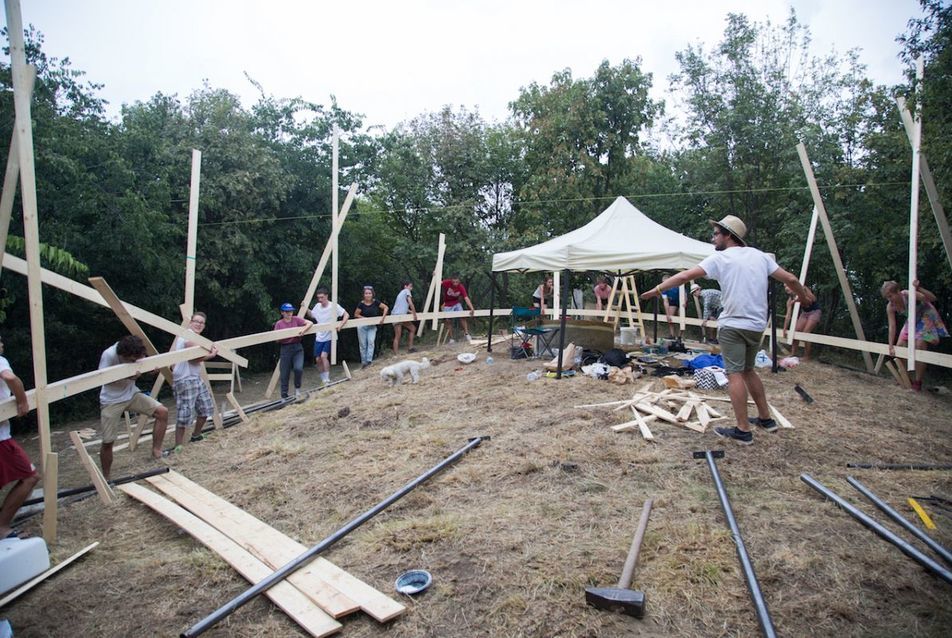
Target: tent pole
column 565, row 290
column 492, row 306
column 657, row 302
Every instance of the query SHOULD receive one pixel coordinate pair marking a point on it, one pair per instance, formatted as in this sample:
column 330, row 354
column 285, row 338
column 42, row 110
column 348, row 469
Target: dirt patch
column 517, row 529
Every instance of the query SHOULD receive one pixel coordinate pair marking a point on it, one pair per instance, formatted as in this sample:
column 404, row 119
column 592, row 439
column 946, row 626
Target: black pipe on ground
column 280, row 574
column 901, row 520
column 880, row 530
column 89, row 488
column 760, row 606
column 900, row 466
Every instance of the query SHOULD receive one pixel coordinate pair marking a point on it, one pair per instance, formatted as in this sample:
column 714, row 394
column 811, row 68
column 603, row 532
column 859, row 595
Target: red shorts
column 14, row 463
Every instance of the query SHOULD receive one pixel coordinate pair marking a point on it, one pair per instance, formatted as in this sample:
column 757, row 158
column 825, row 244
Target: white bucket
column 21, row 560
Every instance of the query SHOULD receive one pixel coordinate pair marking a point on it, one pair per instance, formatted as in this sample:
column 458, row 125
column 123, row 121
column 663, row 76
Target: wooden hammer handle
column 629, row 570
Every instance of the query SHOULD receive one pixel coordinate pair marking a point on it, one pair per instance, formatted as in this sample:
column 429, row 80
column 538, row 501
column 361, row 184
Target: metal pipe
column 760, row 606
column 900, row 466
column 901, row 520
column 89, row 488
column 224, row 611
column 881, row 531
column 492, row 306
column 565, row 291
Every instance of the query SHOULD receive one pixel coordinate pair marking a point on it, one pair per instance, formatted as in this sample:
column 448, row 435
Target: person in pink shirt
column 292, row 352
column 454, row 294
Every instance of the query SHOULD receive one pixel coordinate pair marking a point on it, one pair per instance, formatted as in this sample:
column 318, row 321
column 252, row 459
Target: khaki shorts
column 739, row 348
column 111, row 415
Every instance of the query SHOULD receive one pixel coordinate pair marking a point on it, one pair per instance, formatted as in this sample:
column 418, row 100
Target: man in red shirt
column 454, row 294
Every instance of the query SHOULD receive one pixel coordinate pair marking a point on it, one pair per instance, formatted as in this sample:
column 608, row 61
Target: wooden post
column 102, row 487
column 914, row 221
column 834, row 253
column 192, row 242
column 49, row 499
column 937, row 210
column 11, row 177
column 316, row 278
column 434, row 289
column 804, row 267
column 335, row 169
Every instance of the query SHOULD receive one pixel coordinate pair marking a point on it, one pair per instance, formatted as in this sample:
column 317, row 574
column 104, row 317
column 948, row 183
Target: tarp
column 621, row 239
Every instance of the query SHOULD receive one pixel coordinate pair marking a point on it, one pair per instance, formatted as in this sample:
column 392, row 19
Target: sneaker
column 196, row 438
column 297, row 393
column 767, row 425
column 411, row 349
column 468, row 338
column 451, row 342
column 325, row 382
column 743, row 438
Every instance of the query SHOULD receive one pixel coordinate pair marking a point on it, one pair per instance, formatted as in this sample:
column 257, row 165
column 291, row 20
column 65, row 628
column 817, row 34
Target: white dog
column 393, row 374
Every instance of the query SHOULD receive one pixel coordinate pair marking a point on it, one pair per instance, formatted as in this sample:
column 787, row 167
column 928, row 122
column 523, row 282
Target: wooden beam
column 102, row 487
column 434, row 289
column 27, row 586
column 90, row 294
column 51, row 468
column 11, row 176
column 316, row 278
column 834, row 252
column 234, row 403
column 192, row 242
column 911, row 319
column 294, row 603
column 277, row 549
column 611, row 299
column 937, row 210
column 335, row 252
column 804, row 268
column 216, row 413
column 130, row 324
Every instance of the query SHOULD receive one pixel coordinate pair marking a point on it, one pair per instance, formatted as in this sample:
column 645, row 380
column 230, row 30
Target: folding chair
column 525, row 326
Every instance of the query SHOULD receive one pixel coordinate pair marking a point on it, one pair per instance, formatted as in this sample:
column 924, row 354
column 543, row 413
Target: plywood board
column 294, row 603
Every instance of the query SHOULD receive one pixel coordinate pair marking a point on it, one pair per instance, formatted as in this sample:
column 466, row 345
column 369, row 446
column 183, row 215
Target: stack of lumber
column 314, row 596
column 678, row 407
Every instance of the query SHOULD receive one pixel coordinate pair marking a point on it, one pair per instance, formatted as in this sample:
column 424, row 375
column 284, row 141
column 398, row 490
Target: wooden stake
column 49, row 500
column 234, row 403
column 102, row 487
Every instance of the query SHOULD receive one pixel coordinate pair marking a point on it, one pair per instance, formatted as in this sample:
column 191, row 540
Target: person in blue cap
column 292, row 352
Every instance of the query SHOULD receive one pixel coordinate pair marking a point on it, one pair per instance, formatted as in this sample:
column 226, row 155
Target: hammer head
column 627, row 601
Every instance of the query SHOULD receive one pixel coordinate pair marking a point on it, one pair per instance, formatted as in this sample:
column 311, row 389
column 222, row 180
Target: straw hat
column 734, row 226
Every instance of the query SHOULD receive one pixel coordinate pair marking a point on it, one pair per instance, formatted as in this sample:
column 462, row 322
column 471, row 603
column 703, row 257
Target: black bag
column 614, row 357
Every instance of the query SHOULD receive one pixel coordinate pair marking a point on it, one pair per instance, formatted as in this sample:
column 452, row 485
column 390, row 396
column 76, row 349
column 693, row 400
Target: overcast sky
column 392, row 60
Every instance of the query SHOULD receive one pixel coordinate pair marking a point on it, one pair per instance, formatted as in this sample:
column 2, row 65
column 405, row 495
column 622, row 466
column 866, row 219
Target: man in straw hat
column 742, row 272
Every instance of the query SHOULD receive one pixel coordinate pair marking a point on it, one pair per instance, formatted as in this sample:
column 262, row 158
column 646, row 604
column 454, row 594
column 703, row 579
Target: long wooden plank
column 11, row 176
column 262, row 546
column 294, row 603
column 834, row 252
column 284, row 548
column 192, row 241
column 913, row 277
column 102, row 488
column 27, row 586
column 51, row 467
column 90, row 294
column 804, row 268
column 104, row 289
column 781, row 419
column 234, row 403
column 937, row 210
column 433, row 292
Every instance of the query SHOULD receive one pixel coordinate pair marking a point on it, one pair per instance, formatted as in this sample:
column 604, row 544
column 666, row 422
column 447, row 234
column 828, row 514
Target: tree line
column 113, row 194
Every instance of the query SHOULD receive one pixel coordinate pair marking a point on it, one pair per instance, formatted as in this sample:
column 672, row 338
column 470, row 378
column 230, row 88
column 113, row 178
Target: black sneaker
column 767, row 425
column 743, row 438
column 196, row 438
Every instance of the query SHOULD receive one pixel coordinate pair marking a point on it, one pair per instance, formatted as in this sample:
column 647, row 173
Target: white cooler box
column 21, row 560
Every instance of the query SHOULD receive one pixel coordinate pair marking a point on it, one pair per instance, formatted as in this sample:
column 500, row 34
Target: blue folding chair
column 525, row 325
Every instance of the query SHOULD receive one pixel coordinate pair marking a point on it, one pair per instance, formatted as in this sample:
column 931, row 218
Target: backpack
column 614, row 357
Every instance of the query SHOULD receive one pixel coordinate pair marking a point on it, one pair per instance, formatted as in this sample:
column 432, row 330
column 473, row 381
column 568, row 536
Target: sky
column 395, row 59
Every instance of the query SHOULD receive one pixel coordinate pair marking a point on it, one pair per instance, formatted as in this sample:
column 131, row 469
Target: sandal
column 196, row 438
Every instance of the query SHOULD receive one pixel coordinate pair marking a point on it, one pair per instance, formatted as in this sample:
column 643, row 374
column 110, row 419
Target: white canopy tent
column 621, row 239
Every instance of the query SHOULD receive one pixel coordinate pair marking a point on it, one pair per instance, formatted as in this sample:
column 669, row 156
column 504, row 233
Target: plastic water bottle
column 489, row 361
column 533, row 376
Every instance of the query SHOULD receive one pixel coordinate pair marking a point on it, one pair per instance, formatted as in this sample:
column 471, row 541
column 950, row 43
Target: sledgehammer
column 621, row 598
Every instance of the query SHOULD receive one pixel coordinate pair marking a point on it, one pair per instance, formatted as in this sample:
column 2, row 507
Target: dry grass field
column 519, row 527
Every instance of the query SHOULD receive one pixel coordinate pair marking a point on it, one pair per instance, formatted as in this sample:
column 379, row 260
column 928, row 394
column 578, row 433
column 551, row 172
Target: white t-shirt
column 118, row 391
column 402, row 305
column 186, row 369
column 4, row 394
column 742, row 272
column 326, row 315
